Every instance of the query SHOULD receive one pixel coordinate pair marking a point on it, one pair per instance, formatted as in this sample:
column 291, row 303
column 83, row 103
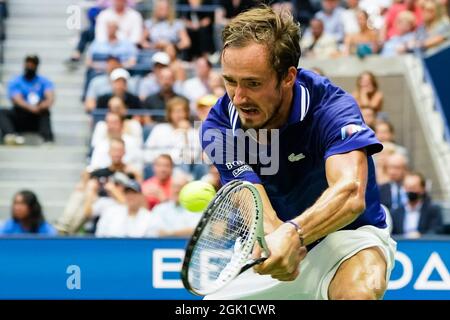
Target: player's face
column 253, row 87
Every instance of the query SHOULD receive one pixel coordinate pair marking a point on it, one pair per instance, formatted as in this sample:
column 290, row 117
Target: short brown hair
column 175, row 101
column 277, row 31
column 423, row 180
column 165, row 156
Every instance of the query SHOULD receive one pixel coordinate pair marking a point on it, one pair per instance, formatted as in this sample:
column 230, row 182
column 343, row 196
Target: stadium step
column 46, row 191
column 42, row 154
column 29, row 172
column 64, row 80
column 44, row 29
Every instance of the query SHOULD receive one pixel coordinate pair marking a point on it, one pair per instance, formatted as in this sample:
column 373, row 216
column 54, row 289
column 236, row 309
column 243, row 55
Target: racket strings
column 219, row 249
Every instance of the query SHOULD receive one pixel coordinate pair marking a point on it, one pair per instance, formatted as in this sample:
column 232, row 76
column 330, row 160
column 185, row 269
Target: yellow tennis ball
column 195, row 196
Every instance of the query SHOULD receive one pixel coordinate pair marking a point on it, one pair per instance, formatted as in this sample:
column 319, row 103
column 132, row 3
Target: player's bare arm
column 342, row 202
column 338, row 206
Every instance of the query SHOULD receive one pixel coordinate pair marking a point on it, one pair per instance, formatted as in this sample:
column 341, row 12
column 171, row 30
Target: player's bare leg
column 361, row 277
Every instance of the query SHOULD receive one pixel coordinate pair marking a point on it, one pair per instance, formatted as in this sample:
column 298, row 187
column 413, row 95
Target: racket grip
column 251, row 264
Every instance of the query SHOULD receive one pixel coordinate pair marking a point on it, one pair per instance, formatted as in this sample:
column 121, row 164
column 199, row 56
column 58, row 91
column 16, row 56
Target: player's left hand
column 285, row 254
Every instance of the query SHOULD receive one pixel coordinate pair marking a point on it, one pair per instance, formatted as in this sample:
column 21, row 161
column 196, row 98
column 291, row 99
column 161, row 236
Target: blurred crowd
column 152, row 72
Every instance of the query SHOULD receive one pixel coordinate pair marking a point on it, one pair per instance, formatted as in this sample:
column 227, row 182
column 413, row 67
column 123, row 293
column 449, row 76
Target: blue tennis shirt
column 324, row 120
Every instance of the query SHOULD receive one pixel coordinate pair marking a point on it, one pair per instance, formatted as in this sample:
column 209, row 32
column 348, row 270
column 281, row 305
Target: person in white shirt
column 129, row 220
column 130, row 126
column 170, row 219
column 93, row 185
column 115, row 129
column 197, row 87
column 129, row 21
column 177, row 137
column 316, row 43
column 349, row 17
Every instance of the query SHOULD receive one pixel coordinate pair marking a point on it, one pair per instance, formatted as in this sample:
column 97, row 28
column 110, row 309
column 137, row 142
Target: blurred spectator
column 115, row 130
column 199, row 25
column 176, row 137
column 102, row 194
column 419, row 215
column 317, row 44
column 331, row 15
column 32, row 96
column 283, row 5
column 100, row 50
column 390, row 28
column 376, row 10
column 101, row 84
column 119, row 81
column 129, row 220
column 384, row 130
column 76, row 211
column 392, row 194
column 4, row 9
column 213, row 177
column 216, row 84
column 398, row 44
column 170, row 219
column 370, row 117
column 151, row 83
column 318, row 71
column 157, row 189
column 158, row 100
column 204, row 104
column 163, row 29
column 198, row 86
column 363, row 43
column 436, row 28
column 381, row 160
column 350, row 17
column 26, row 217
column 130, row 126
column 367, row 94
column 177, row 65
column 129, row 21
column 226, row 10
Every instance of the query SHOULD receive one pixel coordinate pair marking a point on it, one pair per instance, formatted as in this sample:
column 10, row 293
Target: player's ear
column 290, row 77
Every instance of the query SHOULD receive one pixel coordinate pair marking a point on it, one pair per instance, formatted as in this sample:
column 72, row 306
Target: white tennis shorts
column 316, row 270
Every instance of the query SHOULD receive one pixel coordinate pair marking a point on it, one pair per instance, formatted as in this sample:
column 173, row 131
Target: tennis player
column 324, row 224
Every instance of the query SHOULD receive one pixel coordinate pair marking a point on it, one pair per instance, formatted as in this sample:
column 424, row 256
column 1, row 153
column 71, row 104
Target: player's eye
column 253, row 84
column 230, row 82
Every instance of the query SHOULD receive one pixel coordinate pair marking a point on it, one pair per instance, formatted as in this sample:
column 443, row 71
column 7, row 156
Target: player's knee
column 354, row 294
column 360, row 292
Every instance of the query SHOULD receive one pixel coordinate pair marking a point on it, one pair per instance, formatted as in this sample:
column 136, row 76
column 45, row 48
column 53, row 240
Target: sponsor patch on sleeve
column 350, row 129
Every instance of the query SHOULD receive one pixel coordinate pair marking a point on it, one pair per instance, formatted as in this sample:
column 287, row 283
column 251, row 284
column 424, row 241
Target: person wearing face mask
column 419, row 215
column 32, row 95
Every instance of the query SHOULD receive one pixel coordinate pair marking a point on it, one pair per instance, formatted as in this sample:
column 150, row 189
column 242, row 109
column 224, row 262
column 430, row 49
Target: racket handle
column 251, row 264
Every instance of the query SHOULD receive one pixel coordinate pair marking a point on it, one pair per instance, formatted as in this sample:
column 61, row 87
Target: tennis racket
column 222, row 244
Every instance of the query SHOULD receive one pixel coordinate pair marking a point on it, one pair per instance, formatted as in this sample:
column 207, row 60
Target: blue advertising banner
column 77, row 268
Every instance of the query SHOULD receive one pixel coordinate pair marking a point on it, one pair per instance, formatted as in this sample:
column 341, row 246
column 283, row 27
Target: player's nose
column 239, row 96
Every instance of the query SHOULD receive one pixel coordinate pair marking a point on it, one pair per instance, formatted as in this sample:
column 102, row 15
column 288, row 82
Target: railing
column 99, row 114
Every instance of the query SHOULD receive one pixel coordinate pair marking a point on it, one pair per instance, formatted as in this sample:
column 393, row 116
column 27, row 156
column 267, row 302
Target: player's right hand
column 285, row 254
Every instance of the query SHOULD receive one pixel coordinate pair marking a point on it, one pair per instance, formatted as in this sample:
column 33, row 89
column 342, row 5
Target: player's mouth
column 249, row 111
